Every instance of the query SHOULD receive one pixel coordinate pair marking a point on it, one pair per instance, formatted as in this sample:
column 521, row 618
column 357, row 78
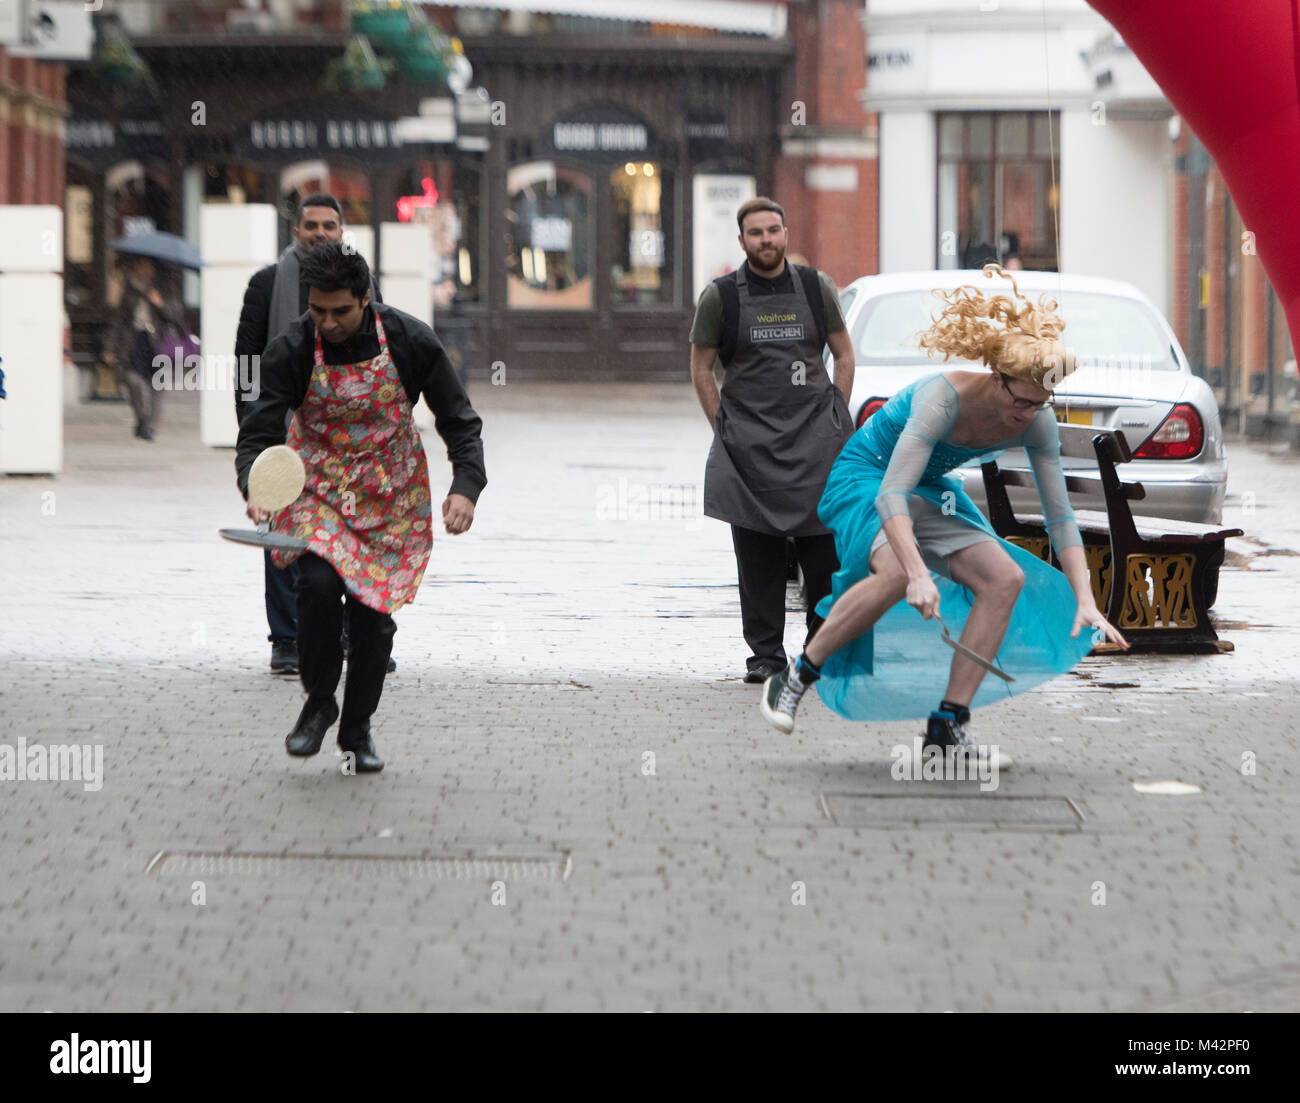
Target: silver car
column 1133, row 376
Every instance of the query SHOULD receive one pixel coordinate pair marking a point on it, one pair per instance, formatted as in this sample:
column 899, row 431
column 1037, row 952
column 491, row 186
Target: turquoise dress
column 899, row 670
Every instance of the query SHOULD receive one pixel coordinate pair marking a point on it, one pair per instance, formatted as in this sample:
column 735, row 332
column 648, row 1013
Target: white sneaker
column 782, row 693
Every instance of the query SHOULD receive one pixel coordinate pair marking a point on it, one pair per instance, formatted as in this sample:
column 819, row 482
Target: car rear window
column 1104, row 330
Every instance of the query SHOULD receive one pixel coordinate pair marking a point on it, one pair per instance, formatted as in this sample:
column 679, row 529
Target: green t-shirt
column 706, row 330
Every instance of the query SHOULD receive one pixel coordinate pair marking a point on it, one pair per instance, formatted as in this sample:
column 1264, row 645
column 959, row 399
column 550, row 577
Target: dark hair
column 333, row 266
column 319, row 199
column 758, row 203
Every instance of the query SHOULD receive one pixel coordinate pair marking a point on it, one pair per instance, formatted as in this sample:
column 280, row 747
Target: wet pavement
column 582, row 808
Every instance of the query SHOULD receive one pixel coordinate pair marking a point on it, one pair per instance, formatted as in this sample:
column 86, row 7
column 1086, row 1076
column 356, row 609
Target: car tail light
column 1179, row 437
column 872, row 405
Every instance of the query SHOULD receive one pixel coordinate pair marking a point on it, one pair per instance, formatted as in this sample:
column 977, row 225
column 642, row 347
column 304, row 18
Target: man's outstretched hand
column 457, row 514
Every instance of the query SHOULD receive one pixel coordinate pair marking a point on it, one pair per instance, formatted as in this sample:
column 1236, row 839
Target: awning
column 762, row 17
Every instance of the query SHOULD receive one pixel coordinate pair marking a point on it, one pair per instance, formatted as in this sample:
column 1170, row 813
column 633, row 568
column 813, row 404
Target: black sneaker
column 761, row 672
column 284, row 657
column 954, row 736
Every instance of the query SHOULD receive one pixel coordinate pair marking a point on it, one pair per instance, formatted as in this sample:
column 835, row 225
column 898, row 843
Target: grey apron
column 775, row 437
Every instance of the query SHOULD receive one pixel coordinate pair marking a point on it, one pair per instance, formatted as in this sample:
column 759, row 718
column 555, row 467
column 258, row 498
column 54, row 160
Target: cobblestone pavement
column 518, row 853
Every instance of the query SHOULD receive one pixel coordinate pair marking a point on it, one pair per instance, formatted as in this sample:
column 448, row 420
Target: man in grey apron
column 778, row 423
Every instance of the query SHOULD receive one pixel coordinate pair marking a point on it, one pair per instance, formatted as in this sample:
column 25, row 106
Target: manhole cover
column 965, row 810
column 556, row 867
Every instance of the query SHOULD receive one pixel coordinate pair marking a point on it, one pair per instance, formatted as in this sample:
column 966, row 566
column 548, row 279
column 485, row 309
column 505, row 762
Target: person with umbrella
column 147, row 311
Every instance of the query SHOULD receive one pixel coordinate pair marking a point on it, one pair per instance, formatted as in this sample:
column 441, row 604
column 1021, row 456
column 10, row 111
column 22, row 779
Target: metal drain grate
column 556, row 867
column 977, row 811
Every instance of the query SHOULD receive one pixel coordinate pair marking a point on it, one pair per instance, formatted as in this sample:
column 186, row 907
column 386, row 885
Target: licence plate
column 1073, row 415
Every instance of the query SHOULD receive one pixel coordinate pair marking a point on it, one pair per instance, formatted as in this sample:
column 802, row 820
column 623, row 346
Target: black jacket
column 251, row 338
column 422, row 366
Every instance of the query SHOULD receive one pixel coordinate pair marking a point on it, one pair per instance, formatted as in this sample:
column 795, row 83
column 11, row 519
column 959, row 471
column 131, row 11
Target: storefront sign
column 601, row 137
column 601, row 131
column 714, row 200
column 706, row 135
column 103, row 142
column 897, row 63
column 56, row 30
column 333, row 134
column 330, row 128
column 551, row 234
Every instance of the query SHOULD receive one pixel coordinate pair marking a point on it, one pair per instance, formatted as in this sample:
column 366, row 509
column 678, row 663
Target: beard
column 765, row 261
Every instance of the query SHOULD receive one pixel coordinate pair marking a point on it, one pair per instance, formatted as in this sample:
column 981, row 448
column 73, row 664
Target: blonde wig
column 1010, row 334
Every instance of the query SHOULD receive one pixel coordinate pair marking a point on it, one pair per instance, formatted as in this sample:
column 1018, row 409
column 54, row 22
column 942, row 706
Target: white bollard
column 31, row 340
column 407, row 253
column 362, row 239
column 235, row 240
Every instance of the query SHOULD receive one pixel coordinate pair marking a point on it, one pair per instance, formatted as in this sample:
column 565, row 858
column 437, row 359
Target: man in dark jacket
column 275, row 298
column 352, row 370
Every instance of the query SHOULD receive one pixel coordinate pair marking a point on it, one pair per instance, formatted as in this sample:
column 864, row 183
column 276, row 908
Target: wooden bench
column 1168, row 570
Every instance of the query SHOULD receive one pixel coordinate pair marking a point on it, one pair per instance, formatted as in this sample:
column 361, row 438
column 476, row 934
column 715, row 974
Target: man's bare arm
column 706, row 387
column 842, row 349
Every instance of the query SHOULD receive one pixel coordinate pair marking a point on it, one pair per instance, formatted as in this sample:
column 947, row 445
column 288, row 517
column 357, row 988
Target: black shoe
column 358, row 743
column 953, row 736
column 284, row 657
column 760, row 673
column 144, row 433
column 942, row 730
column 313, row 722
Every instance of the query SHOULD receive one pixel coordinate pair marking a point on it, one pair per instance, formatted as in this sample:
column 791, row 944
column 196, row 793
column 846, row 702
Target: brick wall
column 33, row 105
column 826, row 175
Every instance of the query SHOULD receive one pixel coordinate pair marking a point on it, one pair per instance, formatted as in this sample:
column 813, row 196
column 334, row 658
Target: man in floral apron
column 352, row 370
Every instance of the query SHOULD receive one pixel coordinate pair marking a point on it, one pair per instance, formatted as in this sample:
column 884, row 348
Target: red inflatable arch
column 1231, row 68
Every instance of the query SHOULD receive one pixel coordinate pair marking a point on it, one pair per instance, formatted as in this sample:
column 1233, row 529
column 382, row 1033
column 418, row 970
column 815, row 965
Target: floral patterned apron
column 366, row 505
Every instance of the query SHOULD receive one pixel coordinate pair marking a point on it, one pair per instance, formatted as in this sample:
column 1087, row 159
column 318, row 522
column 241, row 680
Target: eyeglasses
column 1022, row 403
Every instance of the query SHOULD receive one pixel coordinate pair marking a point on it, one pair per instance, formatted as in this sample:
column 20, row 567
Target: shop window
column 642, row 270
column 447, row 197
column 997, row 192
column 459, row 235
column 549, row 238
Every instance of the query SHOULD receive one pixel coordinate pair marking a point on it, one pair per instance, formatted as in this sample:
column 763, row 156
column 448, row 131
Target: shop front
column 252, row 136
column 592, row 261
column 999, row 143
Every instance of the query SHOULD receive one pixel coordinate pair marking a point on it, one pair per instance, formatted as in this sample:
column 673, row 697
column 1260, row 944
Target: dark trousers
column 321, row 598
column 761, row 567
column 281, row 600
column 145, row 401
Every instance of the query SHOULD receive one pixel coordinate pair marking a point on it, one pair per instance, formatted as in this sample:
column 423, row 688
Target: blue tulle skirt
column 899, row 670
